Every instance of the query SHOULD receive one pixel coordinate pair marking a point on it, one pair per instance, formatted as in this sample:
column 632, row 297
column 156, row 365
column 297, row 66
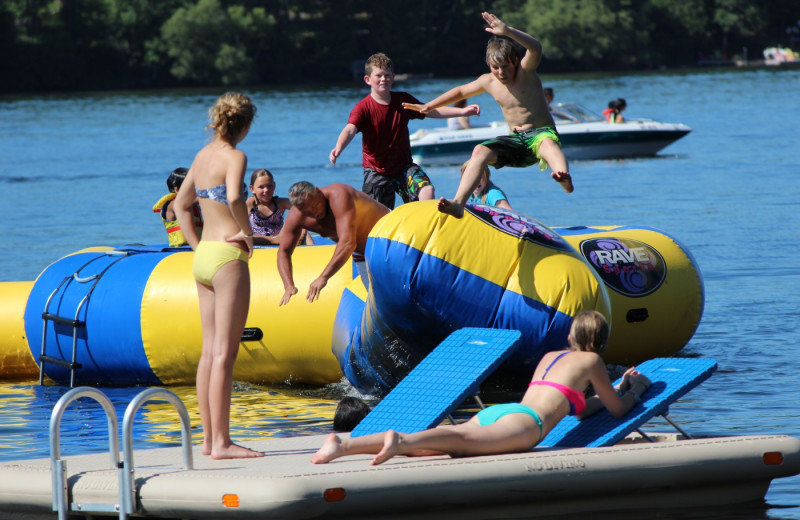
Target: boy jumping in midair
column 515, row 85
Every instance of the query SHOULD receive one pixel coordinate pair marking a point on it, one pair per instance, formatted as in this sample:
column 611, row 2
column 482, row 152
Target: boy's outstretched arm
column 347, row 134
column 446, row 112
column 458, row 93
column 533, row 47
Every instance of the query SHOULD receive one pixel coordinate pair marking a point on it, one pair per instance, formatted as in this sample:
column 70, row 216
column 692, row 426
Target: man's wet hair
column 349, row 412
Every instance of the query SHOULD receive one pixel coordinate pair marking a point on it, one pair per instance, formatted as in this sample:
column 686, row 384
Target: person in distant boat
column 220, row 266
column 165, row 207
column 386, row 148
column 556, row 390
column 486, row 192
column 515, row 85
column 339, row 212
column 621, row 105
column 265, row 210
column 610, row 110
column 614, row 111
column 459, row 123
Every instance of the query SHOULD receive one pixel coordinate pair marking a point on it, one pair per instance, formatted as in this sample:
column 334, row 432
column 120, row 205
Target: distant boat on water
column 585, row 135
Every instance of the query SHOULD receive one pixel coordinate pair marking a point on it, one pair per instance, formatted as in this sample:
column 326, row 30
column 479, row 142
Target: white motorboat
column 585, row 135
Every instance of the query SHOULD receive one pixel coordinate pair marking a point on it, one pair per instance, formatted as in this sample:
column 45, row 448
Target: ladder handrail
column 75, row 322
column 58, row 466
column 128, row 490
column 125, row 467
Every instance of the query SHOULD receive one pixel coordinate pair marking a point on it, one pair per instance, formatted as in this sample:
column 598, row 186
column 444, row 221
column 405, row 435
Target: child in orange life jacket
column 614, row 111
column 164, row 206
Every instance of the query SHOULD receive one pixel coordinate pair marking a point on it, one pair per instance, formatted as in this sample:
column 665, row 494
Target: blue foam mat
column 439, row 383
column 671, row 377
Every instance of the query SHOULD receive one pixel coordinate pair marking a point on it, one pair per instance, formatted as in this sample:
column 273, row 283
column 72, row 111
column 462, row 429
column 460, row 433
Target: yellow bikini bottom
column 211, row 256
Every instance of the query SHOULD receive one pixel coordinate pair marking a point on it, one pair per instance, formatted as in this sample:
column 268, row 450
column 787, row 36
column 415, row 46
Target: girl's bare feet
column 391, row 446
column 234, row 451
column 331, row 449
column 564, row 179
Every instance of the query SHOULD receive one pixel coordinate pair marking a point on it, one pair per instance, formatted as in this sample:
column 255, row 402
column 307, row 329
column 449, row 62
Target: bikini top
column 576, row 400
column 269, row 226
column 217, row 193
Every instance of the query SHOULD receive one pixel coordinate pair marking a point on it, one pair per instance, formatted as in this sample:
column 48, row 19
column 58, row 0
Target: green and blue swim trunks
column 520, row 149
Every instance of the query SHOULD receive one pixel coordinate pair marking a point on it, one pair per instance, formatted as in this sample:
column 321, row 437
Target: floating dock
column 632, row 475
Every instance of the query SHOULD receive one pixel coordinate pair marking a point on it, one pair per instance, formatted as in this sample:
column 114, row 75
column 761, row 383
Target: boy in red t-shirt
column 383, row 123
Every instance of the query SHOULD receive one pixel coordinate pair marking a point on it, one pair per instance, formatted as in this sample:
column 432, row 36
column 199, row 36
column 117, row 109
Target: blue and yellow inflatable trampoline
column 138, row 320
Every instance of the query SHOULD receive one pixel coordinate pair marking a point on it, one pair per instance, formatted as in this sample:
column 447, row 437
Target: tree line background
column 51, row 45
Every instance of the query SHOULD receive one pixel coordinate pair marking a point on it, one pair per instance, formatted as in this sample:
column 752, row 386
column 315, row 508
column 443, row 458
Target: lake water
column 84, row 169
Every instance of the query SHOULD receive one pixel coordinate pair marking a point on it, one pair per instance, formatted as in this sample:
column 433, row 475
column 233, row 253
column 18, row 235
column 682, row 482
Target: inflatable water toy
column 140, row 325
column 499, row 269
column 129, row 316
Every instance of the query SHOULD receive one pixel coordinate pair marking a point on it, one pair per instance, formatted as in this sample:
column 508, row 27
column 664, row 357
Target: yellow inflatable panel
column 536, row 270
column 296, row 342
column 16, row 361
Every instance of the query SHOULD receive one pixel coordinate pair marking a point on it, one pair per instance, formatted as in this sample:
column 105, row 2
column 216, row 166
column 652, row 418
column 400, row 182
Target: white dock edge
column 284, row 484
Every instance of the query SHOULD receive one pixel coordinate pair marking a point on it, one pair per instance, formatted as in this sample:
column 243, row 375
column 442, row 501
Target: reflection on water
column 256, row 413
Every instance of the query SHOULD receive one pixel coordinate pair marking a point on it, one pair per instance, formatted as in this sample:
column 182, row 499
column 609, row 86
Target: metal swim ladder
column 74, row 322
column 127, row 503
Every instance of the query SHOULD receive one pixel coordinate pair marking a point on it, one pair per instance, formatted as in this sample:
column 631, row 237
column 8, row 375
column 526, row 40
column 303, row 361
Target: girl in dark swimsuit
column 265, row 210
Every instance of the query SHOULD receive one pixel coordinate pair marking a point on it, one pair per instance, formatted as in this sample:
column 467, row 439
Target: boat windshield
column 574, row 113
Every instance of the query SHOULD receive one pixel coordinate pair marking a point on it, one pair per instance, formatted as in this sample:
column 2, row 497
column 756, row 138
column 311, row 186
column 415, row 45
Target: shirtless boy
column 339, row 212
column 517, row 88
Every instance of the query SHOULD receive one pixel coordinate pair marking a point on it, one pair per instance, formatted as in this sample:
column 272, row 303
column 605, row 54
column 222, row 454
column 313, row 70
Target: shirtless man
column 515, row 85
column 339, row 212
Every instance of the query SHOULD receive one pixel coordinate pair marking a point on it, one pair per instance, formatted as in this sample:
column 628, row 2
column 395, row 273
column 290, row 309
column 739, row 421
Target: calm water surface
column 81, row 170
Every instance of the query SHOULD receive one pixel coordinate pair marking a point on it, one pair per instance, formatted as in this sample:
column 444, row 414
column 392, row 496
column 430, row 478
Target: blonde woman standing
column 220, row 268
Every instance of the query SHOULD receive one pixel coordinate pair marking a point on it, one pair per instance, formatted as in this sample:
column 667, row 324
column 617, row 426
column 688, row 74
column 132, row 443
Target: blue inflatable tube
column 112, row 312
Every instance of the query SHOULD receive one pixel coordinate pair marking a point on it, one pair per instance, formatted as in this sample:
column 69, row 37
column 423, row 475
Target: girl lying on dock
column 556, row 390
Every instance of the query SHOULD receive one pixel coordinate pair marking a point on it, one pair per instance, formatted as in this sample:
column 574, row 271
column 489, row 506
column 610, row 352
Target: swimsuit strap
column 546, row 370
column 255, row 206
column 575, row 399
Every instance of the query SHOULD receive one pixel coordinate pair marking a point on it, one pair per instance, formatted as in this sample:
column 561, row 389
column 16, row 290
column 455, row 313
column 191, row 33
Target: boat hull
column 579, row 141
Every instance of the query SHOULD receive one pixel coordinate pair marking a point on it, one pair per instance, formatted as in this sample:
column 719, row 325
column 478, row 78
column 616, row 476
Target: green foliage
column 209, row 44
column 192, row 38
column 90, row 44
column 739, row 16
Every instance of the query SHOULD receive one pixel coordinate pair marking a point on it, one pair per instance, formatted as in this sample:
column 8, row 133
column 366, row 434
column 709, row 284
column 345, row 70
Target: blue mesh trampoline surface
column 448, row 375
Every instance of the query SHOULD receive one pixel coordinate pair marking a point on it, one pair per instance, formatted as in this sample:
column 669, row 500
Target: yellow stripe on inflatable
column 16, row 361
column 535, row 271
column 296, row 342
